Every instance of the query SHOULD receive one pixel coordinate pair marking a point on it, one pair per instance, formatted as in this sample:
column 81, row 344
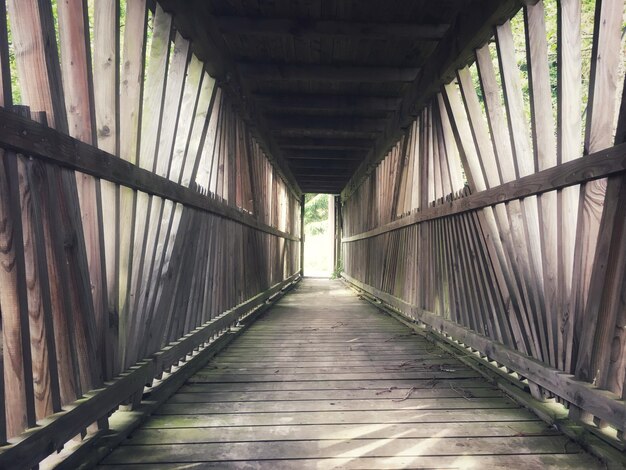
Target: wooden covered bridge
column 154, row 161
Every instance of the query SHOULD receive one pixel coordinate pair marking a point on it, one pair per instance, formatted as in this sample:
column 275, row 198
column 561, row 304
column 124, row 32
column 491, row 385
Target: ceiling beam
column 323, row 133
column 316, row 28
column 336, row 123
column 326, row 73
column 317, row 190
column 297, row 170
column 323, row 184
column 324, row 143
column 320, row 182
column 324, row 154
column 328, row 102
column 324, row 176
column 316, row 187
column 326, row 164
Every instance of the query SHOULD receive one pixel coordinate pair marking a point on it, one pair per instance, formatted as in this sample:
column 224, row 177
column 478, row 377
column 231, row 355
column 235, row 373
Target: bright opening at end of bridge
column 319, row 229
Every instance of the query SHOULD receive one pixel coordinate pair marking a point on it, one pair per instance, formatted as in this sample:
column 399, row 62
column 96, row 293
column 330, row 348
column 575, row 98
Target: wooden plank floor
column 325, row 381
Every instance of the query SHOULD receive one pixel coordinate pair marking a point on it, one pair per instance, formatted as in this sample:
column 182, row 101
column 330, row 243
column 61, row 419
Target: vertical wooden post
column 338, row 233
column 302, row 235
column 331, row 232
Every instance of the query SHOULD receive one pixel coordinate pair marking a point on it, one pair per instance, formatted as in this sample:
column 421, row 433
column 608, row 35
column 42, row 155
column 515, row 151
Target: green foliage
column 315, row 214
column 16, row 91
column 519, row 37
column 338, row 269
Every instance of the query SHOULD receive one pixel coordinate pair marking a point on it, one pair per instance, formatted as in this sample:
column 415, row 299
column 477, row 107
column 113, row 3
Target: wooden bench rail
column 598, row 165
column 33, row 139
column 53, row 432
column 601, row 403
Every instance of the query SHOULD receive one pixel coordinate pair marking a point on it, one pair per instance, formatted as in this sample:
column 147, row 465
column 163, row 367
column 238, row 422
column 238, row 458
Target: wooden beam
column 326, row 73
column 611, row 161
column 313, row 143
column 316, row 188
column 316, row 28
column 453, row 52
column 347, row 123
column 323, row 154
column 33, row 139
column 324, row 133
column 323, row 178
column 334, row 190
column 327, row 102
column 321, row 173
column 313, row 164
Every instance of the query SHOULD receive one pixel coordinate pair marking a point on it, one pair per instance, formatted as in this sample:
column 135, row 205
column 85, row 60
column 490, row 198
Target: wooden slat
column 131, row 89
column 524, row 224
column 569, row 133
column 598, row 135
column 154, row 89
column 42, row 345
column 20, row 412
column 544, row 146
column 6, row 100
column 486, row 461
column 106, row 54
column 6, row 92
column 159, row 215
column 36, row 53
column 74, row 44
column 301, row 410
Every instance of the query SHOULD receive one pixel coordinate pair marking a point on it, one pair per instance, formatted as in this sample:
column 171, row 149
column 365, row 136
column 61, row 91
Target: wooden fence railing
column 139, row 217
column 498, row 221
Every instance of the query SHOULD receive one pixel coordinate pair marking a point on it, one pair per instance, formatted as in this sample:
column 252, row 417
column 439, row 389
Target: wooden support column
column 338, row 234
column 302, row 235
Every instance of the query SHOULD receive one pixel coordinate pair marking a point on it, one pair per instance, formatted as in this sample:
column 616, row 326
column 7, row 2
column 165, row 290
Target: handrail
column 31, row 138
column 598, row 165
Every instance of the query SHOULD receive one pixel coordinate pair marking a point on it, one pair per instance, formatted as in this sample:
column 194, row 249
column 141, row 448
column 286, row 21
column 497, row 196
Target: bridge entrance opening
column 319, row 229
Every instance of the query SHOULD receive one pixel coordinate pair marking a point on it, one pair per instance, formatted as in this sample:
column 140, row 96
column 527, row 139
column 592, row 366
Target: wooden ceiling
column 321, row 79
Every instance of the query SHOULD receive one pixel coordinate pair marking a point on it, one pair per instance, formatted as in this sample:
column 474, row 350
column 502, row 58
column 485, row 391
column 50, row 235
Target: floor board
column 326, row 381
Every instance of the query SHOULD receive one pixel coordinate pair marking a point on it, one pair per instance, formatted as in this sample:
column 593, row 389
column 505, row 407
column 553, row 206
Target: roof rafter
column 316, row 28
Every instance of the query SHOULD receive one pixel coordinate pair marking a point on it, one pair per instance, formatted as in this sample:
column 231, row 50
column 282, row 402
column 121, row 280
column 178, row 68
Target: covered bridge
column 154, row 161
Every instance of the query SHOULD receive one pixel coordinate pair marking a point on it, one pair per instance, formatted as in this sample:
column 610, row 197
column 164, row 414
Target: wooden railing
column 494, row 223
column 52, row 434
column 140, row 219
column 214, row 241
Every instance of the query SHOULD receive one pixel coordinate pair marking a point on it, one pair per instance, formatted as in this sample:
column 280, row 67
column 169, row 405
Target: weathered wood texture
column 325, row 381
column 136, row 207
column 487, row 221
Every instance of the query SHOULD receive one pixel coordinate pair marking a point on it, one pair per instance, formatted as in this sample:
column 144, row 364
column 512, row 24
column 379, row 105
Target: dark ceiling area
column 321, row 79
